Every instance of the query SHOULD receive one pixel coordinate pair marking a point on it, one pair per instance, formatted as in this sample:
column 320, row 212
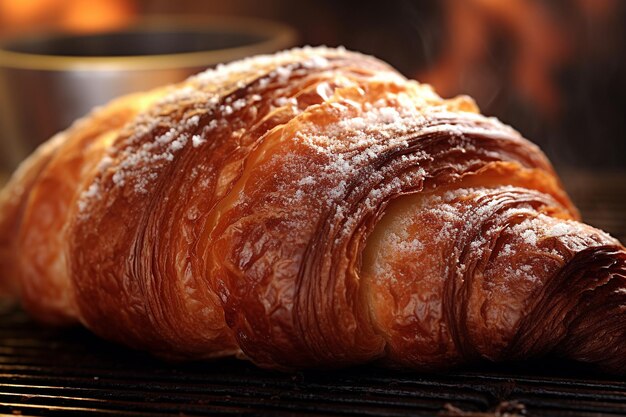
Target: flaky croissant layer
column 310, row 208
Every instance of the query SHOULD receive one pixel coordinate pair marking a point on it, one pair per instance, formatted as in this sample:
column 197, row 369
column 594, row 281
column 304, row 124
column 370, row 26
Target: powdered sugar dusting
column 284, row 62
column 461, row 216
column 360, row 133
column 142, row 160
column 91, row 192
column 197, row 140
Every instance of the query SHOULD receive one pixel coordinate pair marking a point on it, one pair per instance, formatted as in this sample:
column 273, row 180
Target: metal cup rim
column 275, row 36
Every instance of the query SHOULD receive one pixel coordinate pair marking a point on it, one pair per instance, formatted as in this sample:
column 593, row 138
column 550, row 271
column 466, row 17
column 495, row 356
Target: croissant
column 311, row 208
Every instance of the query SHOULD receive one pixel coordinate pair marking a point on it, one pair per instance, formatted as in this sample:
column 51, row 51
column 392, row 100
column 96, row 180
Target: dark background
column 552, row 69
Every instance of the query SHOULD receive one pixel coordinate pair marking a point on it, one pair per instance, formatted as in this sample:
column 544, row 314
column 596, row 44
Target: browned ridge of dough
column 311, row 208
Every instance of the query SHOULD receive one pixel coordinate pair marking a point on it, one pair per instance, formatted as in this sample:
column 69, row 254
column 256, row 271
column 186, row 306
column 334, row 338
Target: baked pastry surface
column 310, row 208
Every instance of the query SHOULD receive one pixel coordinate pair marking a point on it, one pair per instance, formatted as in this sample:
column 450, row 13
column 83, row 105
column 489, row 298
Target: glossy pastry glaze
column 311, row 208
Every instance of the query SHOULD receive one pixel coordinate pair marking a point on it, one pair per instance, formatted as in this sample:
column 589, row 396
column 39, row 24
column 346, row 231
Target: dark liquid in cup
column 134, row 43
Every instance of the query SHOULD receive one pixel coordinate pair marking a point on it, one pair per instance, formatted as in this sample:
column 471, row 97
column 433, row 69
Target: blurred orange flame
column 538, row 42
column 19, row 16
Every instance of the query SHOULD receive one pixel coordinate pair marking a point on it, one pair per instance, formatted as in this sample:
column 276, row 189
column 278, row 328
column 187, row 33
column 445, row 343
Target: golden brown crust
column 314, row 208
column 13, row 198
column 45, row 287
